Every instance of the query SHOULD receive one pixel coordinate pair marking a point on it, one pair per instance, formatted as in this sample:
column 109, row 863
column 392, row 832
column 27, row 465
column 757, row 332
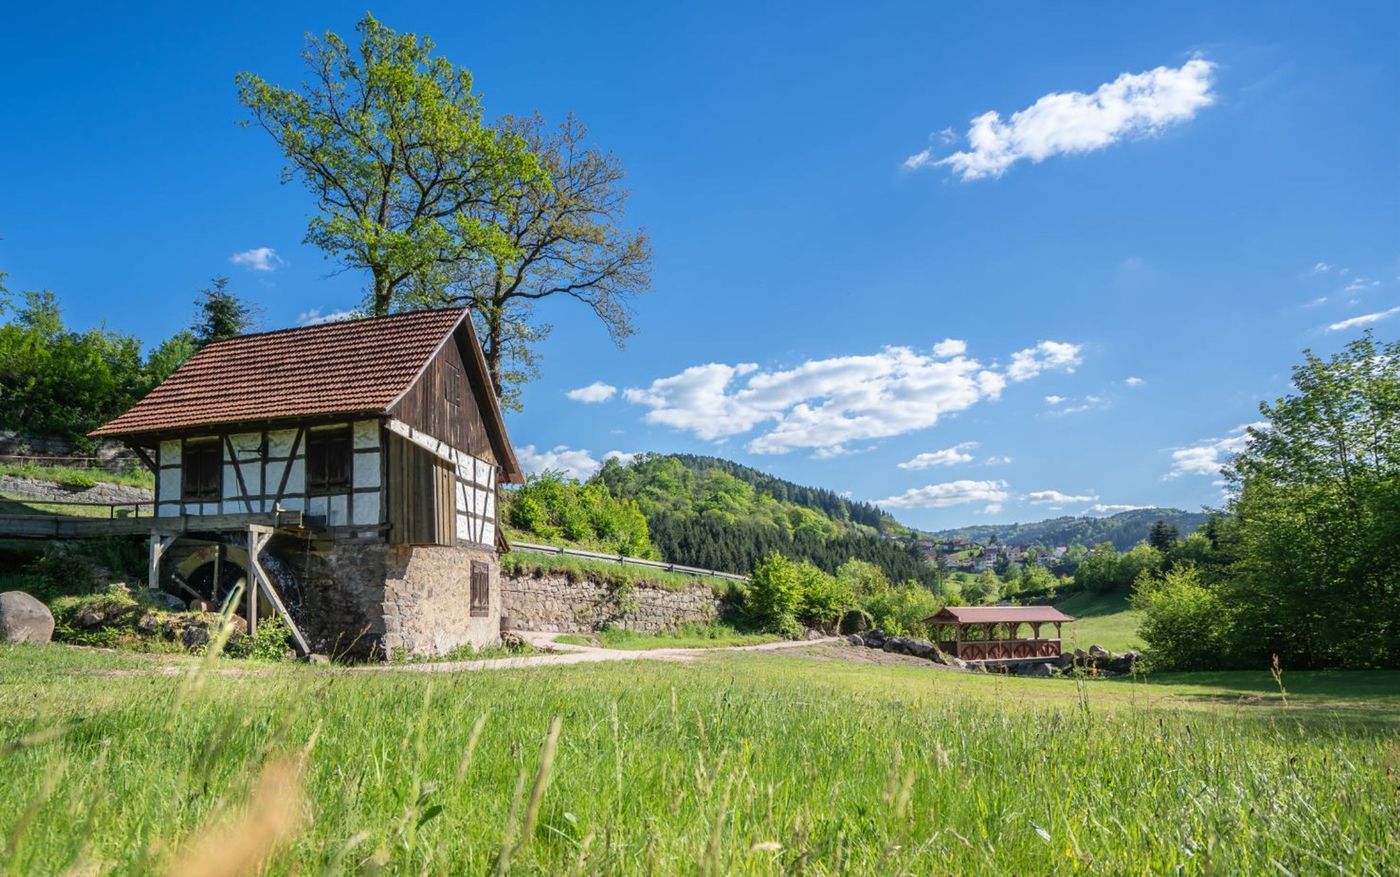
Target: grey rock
column 856, row 621
column 148, row 624
column 24, row 619
column 813, row 633
column 167, row 601
column 1098, row 651
column 956, row 662
column 875, row 639
column 920, row 648
column 1036, row 670
column 855, row 639
column 195, row 636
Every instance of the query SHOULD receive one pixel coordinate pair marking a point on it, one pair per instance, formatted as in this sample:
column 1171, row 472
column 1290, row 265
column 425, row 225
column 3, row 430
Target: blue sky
column 1079, row 309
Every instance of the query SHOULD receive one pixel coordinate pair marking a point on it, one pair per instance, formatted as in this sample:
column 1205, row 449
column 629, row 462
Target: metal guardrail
column 637, row 561
column 114, row 509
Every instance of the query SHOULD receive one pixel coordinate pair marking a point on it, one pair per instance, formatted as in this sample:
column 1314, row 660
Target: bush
column 775, row 595
column 1185, row 623
column 270, row 642
column 824, row 597
column 902, row 609
column 550, row 508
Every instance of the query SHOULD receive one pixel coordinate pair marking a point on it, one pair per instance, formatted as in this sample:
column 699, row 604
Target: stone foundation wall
column 554, row 603
column 371, row 599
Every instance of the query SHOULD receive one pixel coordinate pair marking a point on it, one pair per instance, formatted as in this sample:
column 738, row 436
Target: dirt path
column 572, row 654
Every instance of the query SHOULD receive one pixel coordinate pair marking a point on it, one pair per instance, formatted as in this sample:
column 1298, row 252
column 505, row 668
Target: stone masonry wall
column 554, row 603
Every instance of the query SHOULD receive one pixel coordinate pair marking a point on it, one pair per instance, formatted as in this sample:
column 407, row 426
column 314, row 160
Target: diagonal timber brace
column 160, row 543
column 257, row 540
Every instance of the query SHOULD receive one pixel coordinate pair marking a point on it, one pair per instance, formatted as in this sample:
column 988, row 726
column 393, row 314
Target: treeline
column 64, row 382
column 1122, row 530
column 828, row 502
column 1304, row 567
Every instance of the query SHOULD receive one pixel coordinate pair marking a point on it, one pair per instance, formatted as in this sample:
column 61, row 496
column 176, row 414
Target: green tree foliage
column 1123, row 530
column 1163, row 535
column 1104, row 569
column 555, row 509
column 824, row 596
column 775, row 595
column 718, row 515
column 220, row 314
column 902, row 609
column 1316, row 530
column 390, row 140
column 862, row 578
column 1187, row 624
column 54, row 381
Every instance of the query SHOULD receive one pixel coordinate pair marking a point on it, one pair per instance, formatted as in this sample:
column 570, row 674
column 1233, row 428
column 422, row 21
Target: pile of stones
column 1096, row 660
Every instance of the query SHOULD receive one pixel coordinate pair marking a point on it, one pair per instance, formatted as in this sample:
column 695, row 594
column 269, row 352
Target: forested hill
column 1124, row 529
column 707, row 512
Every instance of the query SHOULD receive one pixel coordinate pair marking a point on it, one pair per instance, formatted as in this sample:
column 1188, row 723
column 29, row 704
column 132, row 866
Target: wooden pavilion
column 993, row 633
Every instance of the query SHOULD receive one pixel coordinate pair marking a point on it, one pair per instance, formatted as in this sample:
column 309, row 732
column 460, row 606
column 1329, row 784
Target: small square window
column 481, row 590
column 452, row 385
column 329, row 454
column 202, row 470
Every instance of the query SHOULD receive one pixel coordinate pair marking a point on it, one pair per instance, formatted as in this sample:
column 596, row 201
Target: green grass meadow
column 1101, row 619
column 743, row 763
column 686, row 636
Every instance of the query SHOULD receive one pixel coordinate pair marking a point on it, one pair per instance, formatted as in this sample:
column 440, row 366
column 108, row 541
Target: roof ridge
column 332, row 324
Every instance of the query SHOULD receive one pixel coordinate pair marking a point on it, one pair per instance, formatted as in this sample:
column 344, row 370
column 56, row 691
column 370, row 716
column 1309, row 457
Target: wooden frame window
column 329, row 461
column 481, row 590
column 202, row 471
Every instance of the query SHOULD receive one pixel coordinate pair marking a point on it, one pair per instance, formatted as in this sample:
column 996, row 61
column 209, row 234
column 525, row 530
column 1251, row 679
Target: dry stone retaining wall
column 555, row 603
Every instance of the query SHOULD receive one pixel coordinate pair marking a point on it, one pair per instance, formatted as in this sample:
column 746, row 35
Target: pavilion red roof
column 997, row 615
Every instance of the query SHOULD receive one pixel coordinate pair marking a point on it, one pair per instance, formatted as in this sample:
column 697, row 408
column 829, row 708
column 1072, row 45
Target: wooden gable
column 445, row 403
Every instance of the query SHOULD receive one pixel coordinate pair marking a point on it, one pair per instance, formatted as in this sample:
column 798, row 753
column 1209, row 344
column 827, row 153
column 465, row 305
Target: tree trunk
column 491, row 349
column 383, row 293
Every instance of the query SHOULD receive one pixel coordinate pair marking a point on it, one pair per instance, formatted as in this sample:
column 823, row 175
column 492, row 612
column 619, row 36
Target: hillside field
column 741, row 763
column 1101, row 619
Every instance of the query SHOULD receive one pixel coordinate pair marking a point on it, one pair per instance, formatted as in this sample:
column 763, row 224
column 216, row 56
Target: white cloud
column 1089, row 404
column 1209, row 456
column 946, row 457
column 998, row 461
column 1045, row 356
column 1363, row 320
column 1103, row 510
column 950, row 347
column 315, row 317
column 1054, row 400
column 992, row 508
column 1134, row 382
column 258, row 259
column 1321, row 268
column 950, row 493
column 829, row 403
column 1133, row 105
column 1046, row 497
column 594, row 392
column 1360, row 284
column 623, row 457
column 570, row 462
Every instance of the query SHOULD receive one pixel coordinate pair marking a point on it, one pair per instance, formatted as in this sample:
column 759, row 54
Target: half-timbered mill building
column 345, row 474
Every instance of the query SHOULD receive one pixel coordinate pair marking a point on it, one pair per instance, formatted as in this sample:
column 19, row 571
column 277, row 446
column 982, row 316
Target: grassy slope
column 741, row 763
column 684, row 637
column 1103, row 619
column 519, row 562
column 79, row 478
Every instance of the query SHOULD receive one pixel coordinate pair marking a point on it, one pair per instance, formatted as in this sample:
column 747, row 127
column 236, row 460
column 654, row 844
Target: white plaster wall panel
column 274, row 476
column 316, row 505
column 231, row 481
column 366, row 508
column 338, row 513
column 169, row 453
column 366, row 433
column 295, row 504
column 279, row 442
column 296, row 479
column 167, row 509
column 366, row 472
column 489, row 537
column 464, row 527
column 170, row 483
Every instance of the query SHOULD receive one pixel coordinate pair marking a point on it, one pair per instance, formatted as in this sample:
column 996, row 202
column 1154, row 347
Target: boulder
column 1038, row 670
column 24, row 619
column 148, row 624
column 195, row 636
column 166, row 600
column 920, row 648
column 1098, row 651
column 813, row 633
column 875, row 639
column 1080, row 655
column 855, row 639
column 856, row 621
column 956, row 662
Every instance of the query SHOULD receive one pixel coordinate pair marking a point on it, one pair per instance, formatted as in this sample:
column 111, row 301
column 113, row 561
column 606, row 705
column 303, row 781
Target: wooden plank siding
column 421, row 508
column 443, row 402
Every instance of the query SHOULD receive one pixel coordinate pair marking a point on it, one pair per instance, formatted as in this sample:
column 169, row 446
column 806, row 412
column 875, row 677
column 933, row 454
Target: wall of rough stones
column 555, row 603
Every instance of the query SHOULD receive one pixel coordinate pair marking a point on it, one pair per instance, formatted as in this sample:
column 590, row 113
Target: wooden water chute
column 992, row 634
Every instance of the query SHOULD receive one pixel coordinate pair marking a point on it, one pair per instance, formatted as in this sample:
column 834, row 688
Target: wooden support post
column 159, row 545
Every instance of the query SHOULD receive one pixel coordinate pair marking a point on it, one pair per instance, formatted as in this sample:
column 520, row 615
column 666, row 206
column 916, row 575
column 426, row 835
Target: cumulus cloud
column 949, row 493
column 950, row 347
column 1069, row 123
column 1054, row 400
column 1134, row 382
column 946, row 457
column 1321, row 268
column 569, row 462
column 992, row 508
column 316, row 317
column 1045, row 356
column 1100, row 510
column 1088, row 404
column 1055, row 497
column 998, row 461
column 1207, row 457
column 258, row 259
column 1363, row 320
column 594, row 392
column 623, row 457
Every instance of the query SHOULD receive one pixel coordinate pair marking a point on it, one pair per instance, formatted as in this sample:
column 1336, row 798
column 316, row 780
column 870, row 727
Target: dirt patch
column 858, row 655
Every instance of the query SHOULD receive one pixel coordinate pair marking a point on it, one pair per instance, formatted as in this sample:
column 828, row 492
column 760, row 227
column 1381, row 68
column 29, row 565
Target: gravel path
column 572, row 654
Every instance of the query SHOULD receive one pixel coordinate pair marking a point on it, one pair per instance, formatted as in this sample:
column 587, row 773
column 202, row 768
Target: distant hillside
column 708, row 512
column 1124, row 529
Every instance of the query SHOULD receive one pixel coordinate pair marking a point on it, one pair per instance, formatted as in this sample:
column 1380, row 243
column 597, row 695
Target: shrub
column 270, row 642
column 775, row 595
column 902, row 609
column 824, row 597
column 1185, row 623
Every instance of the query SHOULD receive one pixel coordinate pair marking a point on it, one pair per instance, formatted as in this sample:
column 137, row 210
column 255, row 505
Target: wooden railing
column 635, row 561
column 1003, row 649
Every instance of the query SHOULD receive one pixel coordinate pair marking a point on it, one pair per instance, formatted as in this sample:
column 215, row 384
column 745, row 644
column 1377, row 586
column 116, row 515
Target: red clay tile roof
column 998, row 614
column 351, row 367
